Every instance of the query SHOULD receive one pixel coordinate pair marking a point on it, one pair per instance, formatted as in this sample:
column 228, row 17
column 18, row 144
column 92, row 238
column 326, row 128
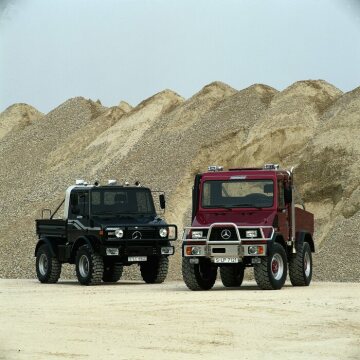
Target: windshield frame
column 152, row 211
column 235, row 206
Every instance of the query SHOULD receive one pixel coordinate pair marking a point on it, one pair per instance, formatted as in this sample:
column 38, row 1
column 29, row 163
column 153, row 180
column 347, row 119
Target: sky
column 112, row 50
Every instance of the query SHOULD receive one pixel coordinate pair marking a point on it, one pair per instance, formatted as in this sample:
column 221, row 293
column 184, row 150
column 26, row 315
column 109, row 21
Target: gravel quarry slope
column 165, row 140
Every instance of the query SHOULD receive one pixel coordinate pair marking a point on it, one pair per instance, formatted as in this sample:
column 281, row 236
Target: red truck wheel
column 232, row 275
column 270, row 273
column 300, row 266
column 200, row 276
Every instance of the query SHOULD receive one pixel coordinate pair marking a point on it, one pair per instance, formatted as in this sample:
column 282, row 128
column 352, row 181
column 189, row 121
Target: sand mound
column 165, row 140
column 17, row 117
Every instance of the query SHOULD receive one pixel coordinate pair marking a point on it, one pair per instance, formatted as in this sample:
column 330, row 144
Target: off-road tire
column 300, row 265
column 200, row 276
column 90, row 274
column 155, row 270
column 48, row 268
column 265, row 272
column 232, row 275
column 112, row 272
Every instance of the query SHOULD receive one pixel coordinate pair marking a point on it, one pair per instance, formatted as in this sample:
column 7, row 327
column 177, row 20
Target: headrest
column 268, row 188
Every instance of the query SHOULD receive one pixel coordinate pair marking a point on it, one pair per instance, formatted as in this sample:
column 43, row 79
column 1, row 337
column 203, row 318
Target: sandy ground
column 131, row 320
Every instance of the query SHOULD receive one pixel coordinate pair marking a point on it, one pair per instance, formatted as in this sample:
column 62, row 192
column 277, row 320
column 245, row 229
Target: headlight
column 196, row 250
column 197, row 234
column 163, row 232
column 119, row 233
column 251, row 233
column 256, row 250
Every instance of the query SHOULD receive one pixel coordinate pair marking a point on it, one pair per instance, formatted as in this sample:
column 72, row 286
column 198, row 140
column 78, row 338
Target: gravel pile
column 338, row 259
column 165, row 140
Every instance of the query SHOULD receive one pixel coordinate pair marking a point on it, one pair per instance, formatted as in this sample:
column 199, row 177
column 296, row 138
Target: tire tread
column 296, row 263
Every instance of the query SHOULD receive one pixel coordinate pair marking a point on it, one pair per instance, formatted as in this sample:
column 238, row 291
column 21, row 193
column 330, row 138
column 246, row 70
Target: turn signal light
column 188, row 250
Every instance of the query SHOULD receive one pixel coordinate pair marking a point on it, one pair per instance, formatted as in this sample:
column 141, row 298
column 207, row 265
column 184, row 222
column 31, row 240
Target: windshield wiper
column 104, row 213
column 219, row 207
column 247, row 206
column 123, row 216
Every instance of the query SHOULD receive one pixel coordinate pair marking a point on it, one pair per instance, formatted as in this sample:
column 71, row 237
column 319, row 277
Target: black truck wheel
column 155, row 270
column 300, row 265
column 112, row 272
column 89, row 266
column 232, row 275
column 200, row 276
column 270, row 273
column 48, row 268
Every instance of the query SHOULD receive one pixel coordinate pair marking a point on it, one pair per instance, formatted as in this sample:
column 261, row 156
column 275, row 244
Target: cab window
column 79, row 204
column 281, row 198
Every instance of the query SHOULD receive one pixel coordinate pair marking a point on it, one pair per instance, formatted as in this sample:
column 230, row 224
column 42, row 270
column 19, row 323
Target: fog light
column 252, row 250
column 251, row 233
column 168, row 250
column 163, row 232
column 112, row 251
column 194, row 261
column 119, row 233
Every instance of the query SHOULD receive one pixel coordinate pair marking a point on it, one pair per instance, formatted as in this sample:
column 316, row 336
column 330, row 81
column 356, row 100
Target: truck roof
column 255, row 172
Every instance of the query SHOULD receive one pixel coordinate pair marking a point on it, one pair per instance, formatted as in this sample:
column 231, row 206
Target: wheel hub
column 84, row 266
column 307, row 264
column 277, row 266
column 43, row 264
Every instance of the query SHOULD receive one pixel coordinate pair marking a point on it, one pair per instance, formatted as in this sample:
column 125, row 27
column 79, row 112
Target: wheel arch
column 45, row 241
column 91, row 241
column 304, row 236
column 279, row 239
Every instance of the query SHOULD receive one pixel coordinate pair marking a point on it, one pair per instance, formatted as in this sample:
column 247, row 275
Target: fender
column 304, row 236
column 91, row 241
column 45, row 240
column 277, row 238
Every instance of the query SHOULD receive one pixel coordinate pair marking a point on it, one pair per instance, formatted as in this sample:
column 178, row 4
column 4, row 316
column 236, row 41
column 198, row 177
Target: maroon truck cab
column 247, row 218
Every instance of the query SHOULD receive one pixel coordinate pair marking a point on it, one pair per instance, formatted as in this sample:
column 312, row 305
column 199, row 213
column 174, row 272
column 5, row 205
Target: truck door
column 78, row 211
column 283, row 212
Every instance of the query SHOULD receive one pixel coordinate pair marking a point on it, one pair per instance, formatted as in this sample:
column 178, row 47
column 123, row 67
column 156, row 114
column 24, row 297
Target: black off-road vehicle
column 103, row 229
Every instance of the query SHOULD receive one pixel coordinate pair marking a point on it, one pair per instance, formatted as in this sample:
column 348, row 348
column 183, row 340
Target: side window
column 281, row 199
column 79, row 204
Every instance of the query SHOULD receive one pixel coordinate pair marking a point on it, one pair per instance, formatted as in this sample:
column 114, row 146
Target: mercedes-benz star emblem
column 136, row 235
column 226, row 234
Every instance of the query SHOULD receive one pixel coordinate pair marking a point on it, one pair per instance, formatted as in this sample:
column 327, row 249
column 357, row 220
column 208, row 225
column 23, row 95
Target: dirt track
column 131, row 320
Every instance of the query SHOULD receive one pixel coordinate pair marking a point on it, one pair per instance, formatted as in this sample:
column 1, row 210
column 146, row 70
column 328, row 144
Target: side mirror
column 288, row 195
column 162, row 201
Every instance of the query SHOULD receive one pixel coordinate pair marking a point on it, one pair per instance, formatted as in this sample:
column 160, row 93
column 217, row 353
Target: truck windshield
column 238, row 193
column 122, row 201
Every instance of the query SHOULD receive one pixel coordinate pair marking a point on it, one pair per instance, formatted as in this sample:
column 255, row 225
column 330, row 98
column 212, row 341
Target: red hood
column 239, row 217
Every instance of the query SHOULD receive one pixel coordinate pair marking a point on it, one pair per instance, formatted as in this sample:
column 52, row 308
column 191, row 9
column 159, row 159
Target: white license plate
column 137, row 258
column 226, row 260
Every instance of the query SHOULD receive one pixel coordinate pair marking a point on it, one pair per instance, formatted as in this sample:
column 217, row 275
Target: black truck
column 103, row 229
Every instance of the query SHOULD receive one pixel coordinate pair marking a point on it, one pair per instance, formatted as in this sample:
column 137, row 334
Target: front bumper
column 122, row 253
column 217, row 248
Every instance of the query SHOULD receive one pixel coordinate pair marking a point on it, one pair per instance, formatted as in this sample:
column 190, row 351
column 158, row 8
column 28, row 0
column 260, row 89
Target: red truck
column 246, row 217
